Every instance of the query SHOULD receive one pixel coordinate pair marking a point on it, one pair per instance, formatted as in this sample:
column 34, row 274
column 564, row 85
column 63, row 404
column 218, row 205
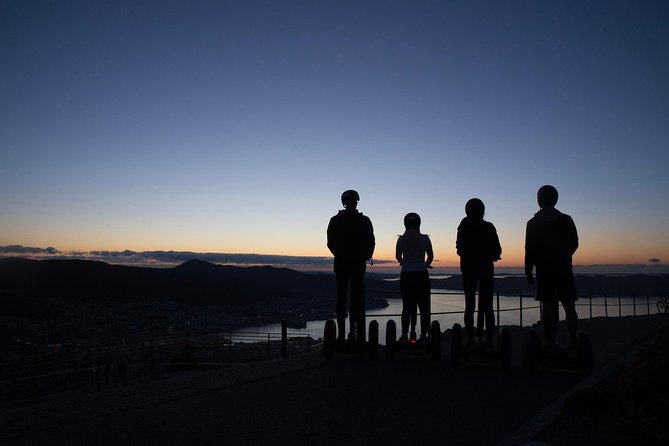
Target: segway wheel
column 505, row 348
column 662, row 306
column 456, row 344
column 435, row 340
column 373, row 344
column 329, row 338
column 532, row 351
column 584, row 354
column 391, row 339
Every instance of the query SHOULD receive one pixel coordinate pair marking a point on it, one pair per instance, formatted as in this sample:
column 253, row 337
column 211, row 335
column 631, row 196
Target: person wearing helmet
column 350, row 238
column 551, row 240
column 478, row 246
column 414, row 253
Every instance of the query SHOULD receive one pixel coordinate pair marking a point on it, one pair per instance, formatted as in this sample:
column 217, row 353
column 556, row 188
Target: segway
column 431, row 347
column 501, row 354
column 579, row 359
column 351, row 347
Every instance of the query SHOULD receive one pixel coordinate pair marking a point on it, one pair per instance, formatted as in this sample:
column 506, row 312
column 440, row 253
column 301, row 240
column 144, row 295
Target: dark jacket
column 351, row 237
column 477, row 243
column 550, row 241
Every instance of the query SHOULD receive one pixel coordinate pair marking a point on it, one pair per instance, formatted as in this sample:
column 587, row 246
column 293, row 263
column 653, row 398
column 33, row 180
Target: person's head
column 350, row 199
column 412, row 221
column 547, row 196
column 475, row 208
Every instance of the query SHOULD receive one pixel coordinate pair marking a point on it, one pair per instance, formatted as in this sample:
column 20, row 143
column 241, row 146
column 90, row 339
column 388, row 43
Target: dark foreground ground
column 308, row 400
column 631, row 406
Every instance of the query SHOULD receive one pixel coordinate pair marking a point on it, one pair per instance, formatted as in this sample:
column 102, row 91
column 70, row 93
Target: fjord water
column 447, row 308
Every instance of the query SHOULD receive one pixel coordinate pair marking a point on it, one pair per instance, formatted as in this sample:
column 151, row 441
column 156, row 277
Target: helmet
column 412, row 220
column 350, row 198
column 475, row 208
column 547, row 196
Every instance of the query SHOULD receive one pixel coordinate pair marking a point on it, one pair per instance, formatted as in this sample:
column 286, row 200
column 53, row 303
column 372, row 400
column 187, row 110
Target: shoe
column 422, row 339
column 404, row 339
column 351, row 336
column 412, row 336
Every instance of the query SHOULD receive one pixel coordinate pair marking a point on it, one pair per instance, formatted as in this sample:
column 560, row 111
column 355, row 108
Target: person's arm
column 572, row 236
column 370, row 238
column 428, row 251
column 496, row 247
column 529, row 254
column 459, row 241
column 398, row 250
column 331, row 237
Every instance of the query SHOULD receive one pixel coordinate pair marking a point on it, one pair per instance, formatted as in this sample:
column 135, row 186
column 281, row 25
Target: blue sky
column 234, row 126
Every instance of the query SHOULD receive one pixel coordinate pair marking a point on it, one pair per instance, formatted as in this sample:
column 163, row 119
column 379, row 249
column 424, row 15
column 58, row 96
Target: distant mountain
column 193, row 282
column 103, row 294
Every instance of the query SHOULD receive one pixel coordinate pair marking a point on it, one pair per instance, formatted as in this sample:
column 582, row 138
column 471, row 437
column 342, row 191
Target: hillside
column 78, row 297
column 68, row 296
column 194, row 282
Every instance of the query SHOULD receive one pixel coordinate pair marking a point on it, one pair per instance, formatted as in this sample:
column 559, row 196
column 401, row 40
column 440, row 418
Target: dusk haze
column 233, row 127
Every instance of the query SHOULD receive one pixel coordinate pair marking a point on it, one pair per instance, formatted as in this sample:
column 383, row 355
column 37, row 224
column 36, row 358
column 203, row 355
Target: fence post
column 541, row 311
column 97, row 375
column 151, row 357
column 108, row 365
column 590, row 300
column 620, row 308
column 521, row 309
column 284, row 338
column 268, row 346
column 497, row 321
column 35, row 372
column 230, row 351
column 49, row 355
column 606, row 306
column 647, row 304
column 308, row 342
column 634, row 303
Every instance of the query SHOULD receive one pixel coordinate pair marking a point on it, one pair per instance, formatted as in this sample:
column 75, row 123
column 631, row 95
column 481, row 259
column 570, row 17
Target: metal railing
column 638, row 304
column 31, row 369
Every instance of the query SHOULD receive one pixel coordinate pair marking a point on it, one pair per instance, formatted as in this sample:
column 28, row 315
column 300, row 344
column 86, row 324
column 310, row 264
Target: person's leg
column 572, row 319
column 412, row 301
column 404, row 292
column 550, row 320
column 358, row 302
column 485, row 306
column 423, row 287
column 342, row 278
column 568, row 297
column 469, row 286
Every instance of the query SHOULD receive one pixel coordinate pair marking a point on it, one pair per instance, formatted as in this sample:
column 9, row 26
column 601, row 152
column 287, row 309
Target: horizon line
column 170, row 258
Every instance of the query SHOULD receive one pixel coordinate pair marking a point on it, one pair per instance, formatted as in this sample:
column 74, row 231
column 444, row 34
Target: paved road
column 349, row 401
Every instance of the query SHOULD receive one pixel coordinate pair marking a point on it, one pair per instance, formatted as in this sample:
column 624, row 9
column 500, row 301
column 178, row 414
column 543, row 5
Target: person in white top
column 414, row 253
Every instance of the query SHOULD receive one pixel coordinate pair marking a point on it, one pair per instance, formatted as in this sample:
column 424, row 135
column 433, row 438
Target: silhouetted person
column 414, row 253
column 351, row 241
column 478, row 246
column 550, row 241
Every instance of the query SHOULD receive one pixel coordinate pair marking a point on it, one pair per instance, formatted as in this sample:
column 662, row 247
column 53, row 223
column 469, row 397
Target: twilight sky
column 234, row 126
